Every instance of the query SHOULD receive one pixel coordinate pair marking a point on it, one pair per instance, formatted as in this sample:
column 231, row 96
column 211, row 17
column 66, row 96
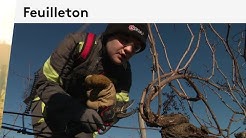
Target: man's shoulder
column 81, row 35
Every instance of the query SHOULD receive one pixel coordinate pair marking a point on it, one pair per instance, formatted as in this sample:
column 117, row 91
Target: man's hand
column 91, row 121
column 111, row 115
column 101, row 91
column 97, row 80
column 116, row 112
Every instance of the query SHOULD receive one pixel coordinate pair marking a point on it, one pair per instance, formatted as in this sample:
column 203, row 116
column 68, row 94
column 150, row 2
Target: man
column 85, row 75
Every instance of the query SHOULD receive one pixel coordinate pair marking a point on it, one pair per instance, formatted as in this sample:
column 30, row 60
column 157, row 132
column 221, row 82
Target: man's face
column 121, row 48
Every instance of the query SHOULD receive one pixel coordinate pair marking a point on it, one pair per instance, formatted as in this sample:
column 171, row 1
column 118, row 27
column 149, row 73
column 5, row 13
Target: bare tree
column 193, row 98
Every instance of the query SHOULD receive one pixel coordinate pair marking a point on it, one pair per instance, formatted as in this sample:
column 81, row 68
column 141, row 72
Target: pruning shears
column 111, row 115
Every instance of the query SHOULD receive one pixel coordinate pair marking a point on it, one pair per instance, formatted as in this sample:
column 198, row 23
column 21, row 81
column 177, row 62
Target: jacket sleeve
column 59, row 63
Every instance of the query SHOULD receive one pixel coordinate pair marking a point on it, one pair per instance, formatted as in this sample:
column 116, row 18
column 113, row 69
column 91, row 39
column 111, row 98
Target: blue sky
column 33, row 43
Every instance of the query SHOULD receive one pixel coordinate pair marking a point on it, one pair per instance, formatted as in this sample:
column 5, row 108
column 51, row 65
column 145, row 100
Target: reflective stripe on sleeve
column 50, row 72
column 95, row 134
column 122, row 97
column 81, row 44
column 41, row 120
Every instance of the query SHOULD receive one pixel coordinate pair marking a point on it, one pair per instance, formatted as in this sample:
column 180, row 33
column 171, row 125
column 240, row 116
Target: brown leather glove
column 101, row 91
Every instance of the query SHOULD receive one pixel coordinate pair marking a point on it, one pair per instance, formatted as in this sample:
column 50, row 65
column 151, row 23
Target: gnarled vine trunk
column 197, row 89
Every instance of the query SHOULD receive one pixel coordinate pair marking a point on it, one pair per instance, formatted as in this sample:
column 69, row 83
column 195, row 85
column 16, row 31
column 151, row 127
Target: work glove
column 111, row 115
column 90, row 121
column 100, row 91
column 115, row 112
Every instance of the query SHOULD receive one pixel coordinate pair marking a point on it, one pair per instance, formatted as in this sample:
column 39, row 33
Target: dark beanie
column 138, row 31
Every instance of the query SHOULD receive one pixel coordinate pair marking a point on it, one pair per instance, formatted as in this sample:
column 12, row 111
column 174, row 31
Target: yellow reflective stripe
column 81, row 44
column 43, row 106
column 41, row 120
column 36, row 99
column 122, row 97
column 50, row 72
column 95, row 134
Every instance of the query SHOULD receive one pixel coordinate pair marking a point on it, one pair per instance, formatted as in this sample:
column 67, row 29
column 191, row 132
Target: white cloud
column 7, row 15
